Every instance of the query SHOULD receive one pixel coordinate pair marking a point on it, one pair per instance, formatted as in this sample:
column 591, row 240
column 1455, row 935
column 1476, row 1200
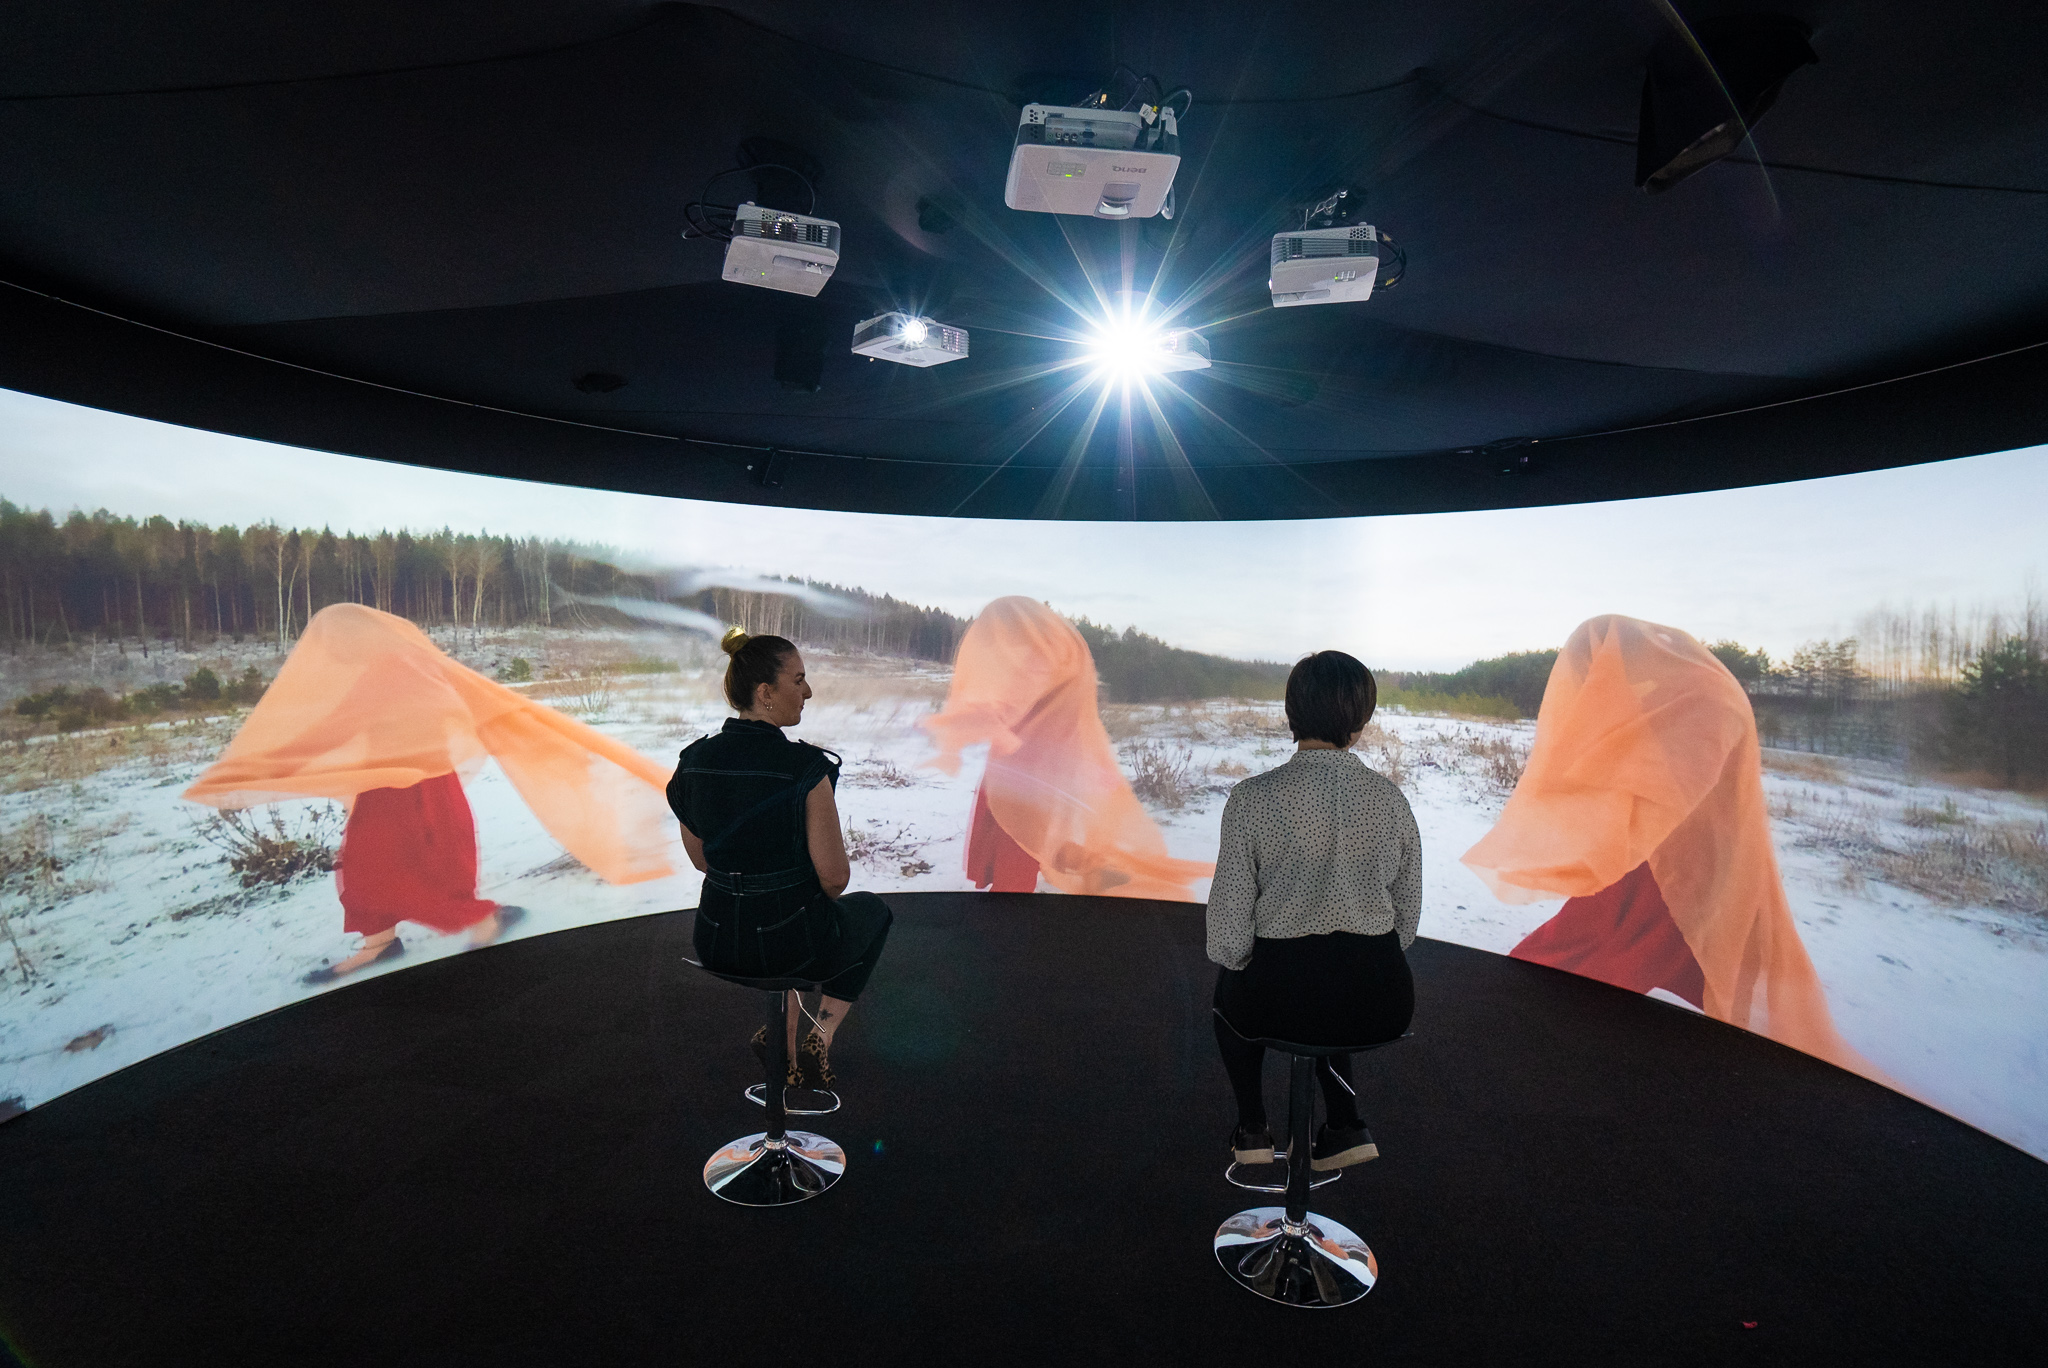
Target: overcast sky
column 1770, row 566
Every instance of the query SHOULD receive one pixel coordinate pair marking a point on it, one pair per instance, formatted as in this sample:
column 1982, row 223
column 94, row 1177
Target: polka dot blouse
column 1319, row 844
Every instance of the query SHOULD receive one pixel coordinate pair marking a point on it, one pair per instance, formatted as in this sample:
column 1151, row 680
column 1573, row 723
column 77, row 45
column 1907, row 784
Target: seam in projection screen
column 1776, row 755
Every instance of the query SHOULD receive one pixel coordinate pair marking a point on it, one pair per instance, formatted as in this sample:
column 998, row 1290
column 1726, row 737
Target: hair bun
column 734, row 638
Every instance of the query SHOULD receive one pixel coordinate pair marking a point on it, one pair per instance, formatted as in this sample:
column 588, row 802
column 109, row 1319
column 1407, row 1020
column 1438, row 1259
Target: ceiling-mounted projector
column 781, row 251
column 1099, row 163
column 1334, row 257
column 1324, row 265
column 1180, row 350
column 909, row 340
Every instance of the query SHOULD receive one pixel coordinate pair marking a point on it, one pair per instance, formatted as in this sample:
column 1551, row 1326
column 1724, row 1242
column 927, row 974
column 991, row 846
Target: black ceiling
column 481, row 202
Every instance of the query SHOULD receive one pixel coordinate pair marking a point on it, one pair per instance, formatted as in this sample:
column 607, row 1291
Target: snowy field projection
column 1775, row 754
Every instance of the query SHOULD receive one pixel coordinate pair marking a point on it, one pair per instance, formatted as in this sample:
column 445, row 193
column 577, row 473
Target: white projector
column 1324, row 265
column 1101, row 163
column 779, row 251
column 1184, row 349
column 909, row 340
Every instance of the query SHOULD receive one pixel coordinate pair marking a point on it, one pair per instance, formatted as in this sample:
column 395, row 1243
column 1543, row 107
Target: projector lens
column 915, row 332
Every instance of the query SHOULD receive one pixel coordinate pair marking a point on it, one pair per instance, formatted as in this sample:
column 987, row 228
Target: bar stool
column 1289, row 1254
column 778, row 1166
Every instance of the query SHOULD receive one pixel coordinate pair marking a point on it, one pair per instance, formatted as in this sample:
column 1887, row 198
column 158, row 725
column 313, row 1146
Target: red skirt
column 409, row 854
column 1621, row 935
column 993, row 859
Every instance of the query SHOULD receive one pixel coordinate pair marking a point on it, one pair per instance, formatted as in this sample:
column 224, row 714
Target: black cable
column 1400, row 258
column 1137, row 84
column 697, row 214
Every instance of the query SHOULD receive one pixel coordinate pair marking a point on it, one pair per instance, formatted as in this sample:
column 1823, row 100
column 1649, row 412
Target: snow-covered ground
column 123, row 932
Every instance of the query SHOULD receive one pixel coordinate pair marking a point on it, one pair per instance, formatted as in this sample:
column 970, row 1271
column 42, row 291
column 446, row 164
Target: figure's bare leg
column 373, row 946
column 831, row 1015
column 486, row 931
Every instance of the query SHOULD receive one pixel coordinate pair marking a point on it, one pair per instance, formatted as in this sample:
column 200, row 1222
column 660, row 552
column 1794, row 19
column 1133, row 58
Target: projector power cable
column 698, row 213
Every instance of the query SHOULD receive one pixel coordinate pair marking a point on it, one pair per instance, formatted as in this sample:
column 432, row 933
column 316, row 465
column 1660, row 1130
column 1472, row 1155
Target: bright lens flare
column 915, row 332
column 1128, row 348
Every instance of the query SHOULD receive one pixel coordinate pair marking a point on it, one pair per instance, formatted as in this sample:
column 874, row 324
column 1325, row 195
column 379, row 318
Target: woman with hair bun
column 759, row 819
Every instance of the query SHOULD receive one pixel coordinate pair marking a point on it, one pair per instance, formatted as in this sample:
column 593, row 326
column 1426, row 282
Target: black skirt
column 1335, row 989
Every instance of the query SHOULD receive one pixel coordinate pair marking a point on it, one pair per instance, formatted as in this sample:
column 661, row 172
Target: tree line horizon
column 97, row 576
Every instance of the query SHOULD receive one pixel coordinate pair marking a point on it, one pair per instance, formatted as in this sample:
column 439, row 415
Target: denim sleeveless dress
column 742, row 792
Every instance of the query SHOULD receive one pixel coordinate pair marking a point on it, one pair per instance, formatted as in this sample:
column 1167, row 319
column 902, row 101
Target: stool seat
column 778, row 1166
column 767, row 985
column 1291, row 1047
column 1290, row 1254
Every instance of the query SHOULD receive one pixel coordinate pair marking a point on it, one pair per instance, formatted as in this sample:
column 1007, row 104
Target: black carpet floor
column 495, row 1158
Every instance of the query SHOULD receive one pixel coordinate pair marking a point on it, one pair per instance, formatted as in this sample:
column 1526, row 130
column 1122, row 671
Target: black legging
column 1334, row 989
column 1245, row 1063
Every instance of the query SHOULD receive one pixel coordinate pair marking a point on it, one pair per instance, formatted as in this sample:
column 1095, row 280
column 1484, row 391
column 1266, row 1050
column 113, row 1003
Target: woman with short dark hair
column 759, row 818
column 1317, row 894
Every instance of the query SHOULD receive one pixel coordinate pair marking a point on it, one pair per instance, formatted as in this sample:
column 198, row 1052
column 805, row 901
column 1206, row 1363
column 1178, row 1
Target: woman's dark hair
column 1330, row 697
column 756, row 660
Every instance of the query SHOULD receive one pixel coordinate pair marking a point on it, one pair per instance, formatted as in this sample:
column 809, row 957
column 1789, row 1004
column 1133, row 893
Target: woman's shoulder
column 818, row 758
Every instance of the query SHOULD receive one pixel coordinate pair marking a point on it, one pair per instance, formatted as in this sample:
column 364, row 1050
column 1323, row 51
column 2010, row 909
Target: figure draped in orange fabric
column 1643, row 803
column 368, row 710
column 1052, row 801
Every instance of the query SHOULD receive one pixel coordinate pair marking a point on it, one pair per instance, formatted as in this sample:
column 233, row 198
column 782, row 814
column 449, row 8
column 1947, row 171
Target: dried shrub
column 1230, row 769
column 1124, row 721
column 1500, row 760
column 877, row 848
column 879, row 774
column 562, row 864
column 278, row 852
column 591, row 695
column 29, row 863
column 1812, row 769
column 1383, row 751
column 1948, row 814
column 30, row 870
column 1163, row 777
column 2004, row 867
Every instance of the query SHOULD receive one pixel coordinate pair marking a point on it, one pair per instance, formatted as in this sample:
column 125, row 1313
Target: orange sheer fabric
column 1024, row 682
column 367, row 701
column 1646, row 750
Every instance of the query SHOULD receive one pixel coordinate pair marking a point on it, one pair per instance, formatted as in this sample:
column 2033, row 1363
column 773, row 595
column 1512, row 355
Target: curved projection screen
column 1774, row 754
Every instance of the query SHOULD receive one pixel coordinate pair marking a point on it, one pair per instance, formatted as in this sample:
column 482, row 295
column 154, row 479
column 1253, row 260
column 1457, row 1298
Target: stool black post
column 1289, row 1254
column 777, row 1166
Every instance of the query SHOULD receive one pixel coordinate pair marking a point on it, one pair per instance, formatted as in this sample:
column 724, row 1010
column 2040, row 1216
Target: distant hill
column 1516, row 679
column 1136, row 668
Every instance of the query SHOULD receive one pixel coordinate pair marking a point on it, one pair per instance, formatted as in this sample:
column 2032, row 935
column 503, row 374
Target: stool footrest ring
column 758, row 1095
column 1279, row 1162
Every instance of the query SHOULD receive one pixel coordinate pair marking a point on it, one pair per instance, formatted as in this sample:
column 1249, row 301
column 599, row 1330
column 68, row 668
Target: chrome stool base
column 752, row 1171
column 1319, row 1263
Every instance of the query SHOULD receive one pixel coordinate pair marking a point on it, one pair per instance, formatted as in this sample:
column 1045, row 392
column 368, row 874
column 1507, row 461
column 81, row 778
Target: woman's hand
column 827, row 842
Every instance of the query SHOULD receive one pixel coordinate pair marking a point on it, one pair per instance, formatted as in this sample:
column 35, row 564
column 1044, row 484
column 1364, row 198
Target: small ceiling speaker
column 1708, row 86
